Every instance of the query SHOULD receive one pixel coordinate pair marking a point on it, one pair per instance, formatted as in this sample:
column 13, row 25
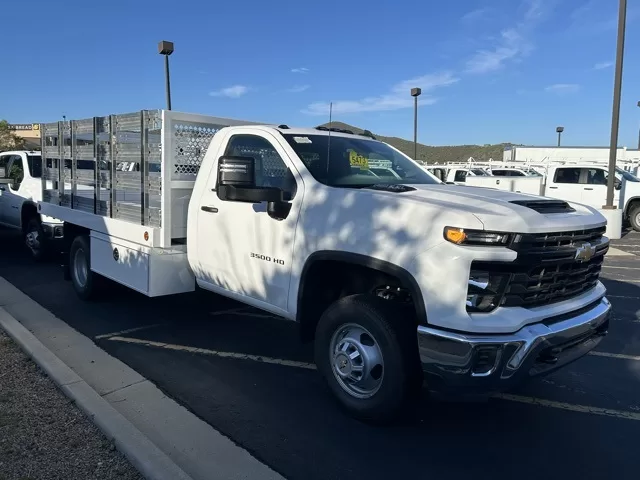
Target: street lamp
column 639, row 132
column 617, row 91
column 415, row 93
column 559, row 130
column 166, row 48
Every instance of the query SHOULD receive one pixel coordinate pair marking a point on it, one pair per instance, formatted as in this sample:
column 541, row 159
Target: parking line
column 621, row 268
column 606, row 412
column 215, row 353
column 129, row 330
column 310, row 366
column 620, row 356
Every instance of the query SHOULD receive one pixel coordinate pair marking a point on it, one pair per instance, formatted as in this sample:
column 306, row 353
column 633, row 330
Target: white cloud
column 234, row 91
column 300, row 70
column 603, row 65
column 298, row 88
column 514, row 42
column 562, row 88
column 511, row 46
column 475, row 15
column 397, row 98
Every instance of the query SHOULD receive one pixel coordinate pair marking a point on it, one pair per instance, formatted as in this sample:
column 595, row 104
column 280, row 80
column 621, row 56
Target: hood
column 500, row 210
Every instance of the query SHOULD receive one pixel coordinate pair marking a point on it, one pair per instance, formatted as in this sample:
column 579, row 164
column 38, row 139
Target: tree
column 8, row 139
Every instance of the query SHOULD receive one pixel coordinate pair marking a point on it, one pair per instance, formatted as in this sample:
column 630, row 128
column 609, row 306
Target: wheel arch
column 28, row 210
column 630, row 203
column 308, row 319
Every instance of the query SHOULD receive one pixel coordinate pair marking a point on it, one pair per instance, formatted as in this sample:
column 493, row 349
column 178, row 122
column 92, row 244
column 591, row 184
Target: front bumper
column 53, row 231
column 480, row 364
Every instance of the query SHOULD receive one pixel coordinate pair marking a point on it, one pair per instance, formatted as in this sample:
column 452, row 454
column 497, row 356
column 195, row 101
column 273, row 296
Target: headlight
column 462, row 236
column 485, row 290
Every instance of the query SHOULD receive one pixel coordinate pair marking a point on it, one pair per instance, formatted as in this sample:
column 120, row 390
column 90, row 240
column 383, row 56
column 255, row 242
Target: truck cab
column 587, row 184
column 19, row 194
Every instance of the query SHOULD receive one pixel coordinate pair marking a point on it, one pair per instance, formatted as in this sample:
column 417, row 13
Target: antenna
column 329, row 138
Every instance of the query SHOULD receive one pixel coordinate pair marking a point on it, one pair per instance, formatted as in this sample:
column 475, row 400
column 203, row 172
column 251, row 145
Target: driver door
column 240, row 247
column 4, row 187
column 594, row 191
column 11, row 199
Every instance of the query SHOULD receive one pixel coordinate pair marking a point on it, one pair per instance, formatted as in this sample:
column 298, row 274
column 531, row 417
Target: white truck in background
column 20, row 191
column 398, row 280
column 579, row 183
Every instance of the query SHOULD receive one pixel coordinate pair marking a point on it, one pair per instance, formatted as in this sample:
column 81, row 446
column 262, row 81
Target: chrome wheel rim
column 638, row 218
column 356, row 360
column 80, row 268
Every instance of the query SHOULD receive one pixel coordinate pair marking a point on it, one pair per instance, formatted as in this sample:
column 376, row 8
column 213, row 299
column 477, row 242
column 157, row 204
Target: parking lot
column 246, row 374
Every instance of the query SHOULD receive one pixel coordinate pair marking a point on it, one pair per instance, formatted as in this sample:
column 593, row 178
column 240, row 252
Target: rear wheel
column 35, row 240
column 367, row 353
column 85, row 282
column 634, row 217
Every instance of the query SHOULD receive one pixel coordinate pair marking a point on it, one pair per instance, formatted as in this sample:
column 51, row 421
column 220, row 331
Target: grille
column 546, row 269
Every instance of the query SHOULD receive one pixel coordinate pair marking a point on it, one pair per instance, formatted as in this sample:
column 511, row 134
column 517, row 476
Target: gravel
column 43, row 435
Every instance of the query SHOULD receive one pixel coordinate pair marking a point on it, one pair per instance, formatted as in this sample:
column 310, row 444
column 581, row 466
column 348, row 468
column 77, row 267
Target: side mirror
column 237, row 182
column 617, row 184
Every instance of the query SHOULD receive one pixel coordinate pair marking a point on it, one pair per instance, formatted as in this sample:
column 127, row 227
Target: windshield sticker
column 302, row 139
column 358, row 160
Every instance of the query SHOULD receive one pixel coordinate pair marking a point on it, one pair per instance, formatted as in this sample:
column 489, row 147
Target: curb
column 144, row 455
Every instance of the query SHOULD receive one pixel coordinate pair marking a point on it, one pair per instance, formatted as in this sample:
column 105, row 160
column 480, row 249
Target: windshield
column 629, row 177
column 340, row 161
column 35, row 165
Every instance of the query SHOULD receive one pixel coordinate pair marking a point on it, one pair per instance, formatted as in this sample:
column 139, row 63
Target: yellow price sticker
column 358, row 160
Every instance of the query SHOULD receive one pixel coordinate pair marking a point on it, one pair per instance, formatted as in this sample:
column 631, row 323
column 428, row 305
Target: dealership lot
column 246, row 374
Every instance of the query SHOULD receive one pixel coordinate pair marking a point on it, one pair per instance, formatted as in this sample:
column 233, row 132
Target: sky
column 490, row 71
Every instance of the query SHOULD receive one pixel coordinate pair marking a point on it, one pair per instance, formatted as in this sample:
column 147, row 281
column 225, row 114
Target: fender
column 366, row 261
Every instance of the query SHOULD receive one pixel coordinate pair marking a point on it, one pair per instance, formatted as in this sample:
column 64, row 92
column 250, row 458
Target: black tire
column 80, row 269
column 393, row 334
column 35, row 240
column 634, row 217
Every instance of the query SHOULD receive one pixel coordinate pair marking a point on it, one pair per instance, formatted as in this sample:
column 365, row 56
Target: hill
column 429, row 154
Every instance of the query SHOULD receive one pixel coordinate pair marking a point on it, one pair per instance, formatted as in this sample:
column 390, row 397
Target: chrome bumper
column 479, row 364
column 53, row 231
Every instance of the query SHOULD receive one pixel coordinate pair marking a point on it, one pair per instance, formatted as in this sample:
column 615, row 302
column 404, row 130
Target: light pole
column 559, row 130
column 638, row 132
column 617, row 91
column 415, row 93
column 166, row 48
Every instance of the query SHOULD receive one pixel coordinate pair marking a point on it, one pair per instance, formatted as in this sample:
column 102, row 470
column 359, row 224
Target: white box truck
column 399, row 280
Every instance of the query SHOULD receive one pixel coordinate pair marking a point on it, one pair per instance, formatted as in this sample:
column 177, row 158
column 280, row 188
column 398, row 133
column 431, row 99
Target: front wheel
column 85, row 282
column 634, row 217
column 367, row 353
column 34, row 239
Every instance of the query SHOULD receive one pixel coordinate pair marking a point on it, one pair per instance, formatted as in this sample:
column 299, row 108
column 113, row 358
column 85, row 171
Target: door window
column 461, row 176
column 567, row 175
column 596, row 176
column 16, row 171
column 270, row 168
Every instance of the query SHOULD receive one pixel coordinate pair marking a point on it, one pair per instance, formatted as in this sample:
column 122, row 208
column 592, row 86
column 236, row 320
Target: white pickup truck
column 20, row 190
column 398, row 281
column 580, row 183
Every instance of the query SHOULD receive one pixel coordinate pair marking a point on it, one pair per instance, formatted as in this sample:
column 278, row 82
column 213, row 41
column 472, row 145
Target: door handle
column 555, row 188
column 588, row 188
column 207, row 209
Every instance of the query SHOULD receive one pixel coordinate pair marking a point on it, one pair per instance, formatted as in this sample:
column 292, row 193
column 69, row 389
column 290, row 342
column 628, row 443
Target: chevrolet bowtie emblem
column 585, row 252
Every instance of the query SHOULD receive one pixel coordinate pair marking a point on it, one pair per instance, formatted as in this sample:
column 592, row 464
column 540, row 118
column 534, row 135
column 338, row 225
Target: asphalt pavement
column 246, row 373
